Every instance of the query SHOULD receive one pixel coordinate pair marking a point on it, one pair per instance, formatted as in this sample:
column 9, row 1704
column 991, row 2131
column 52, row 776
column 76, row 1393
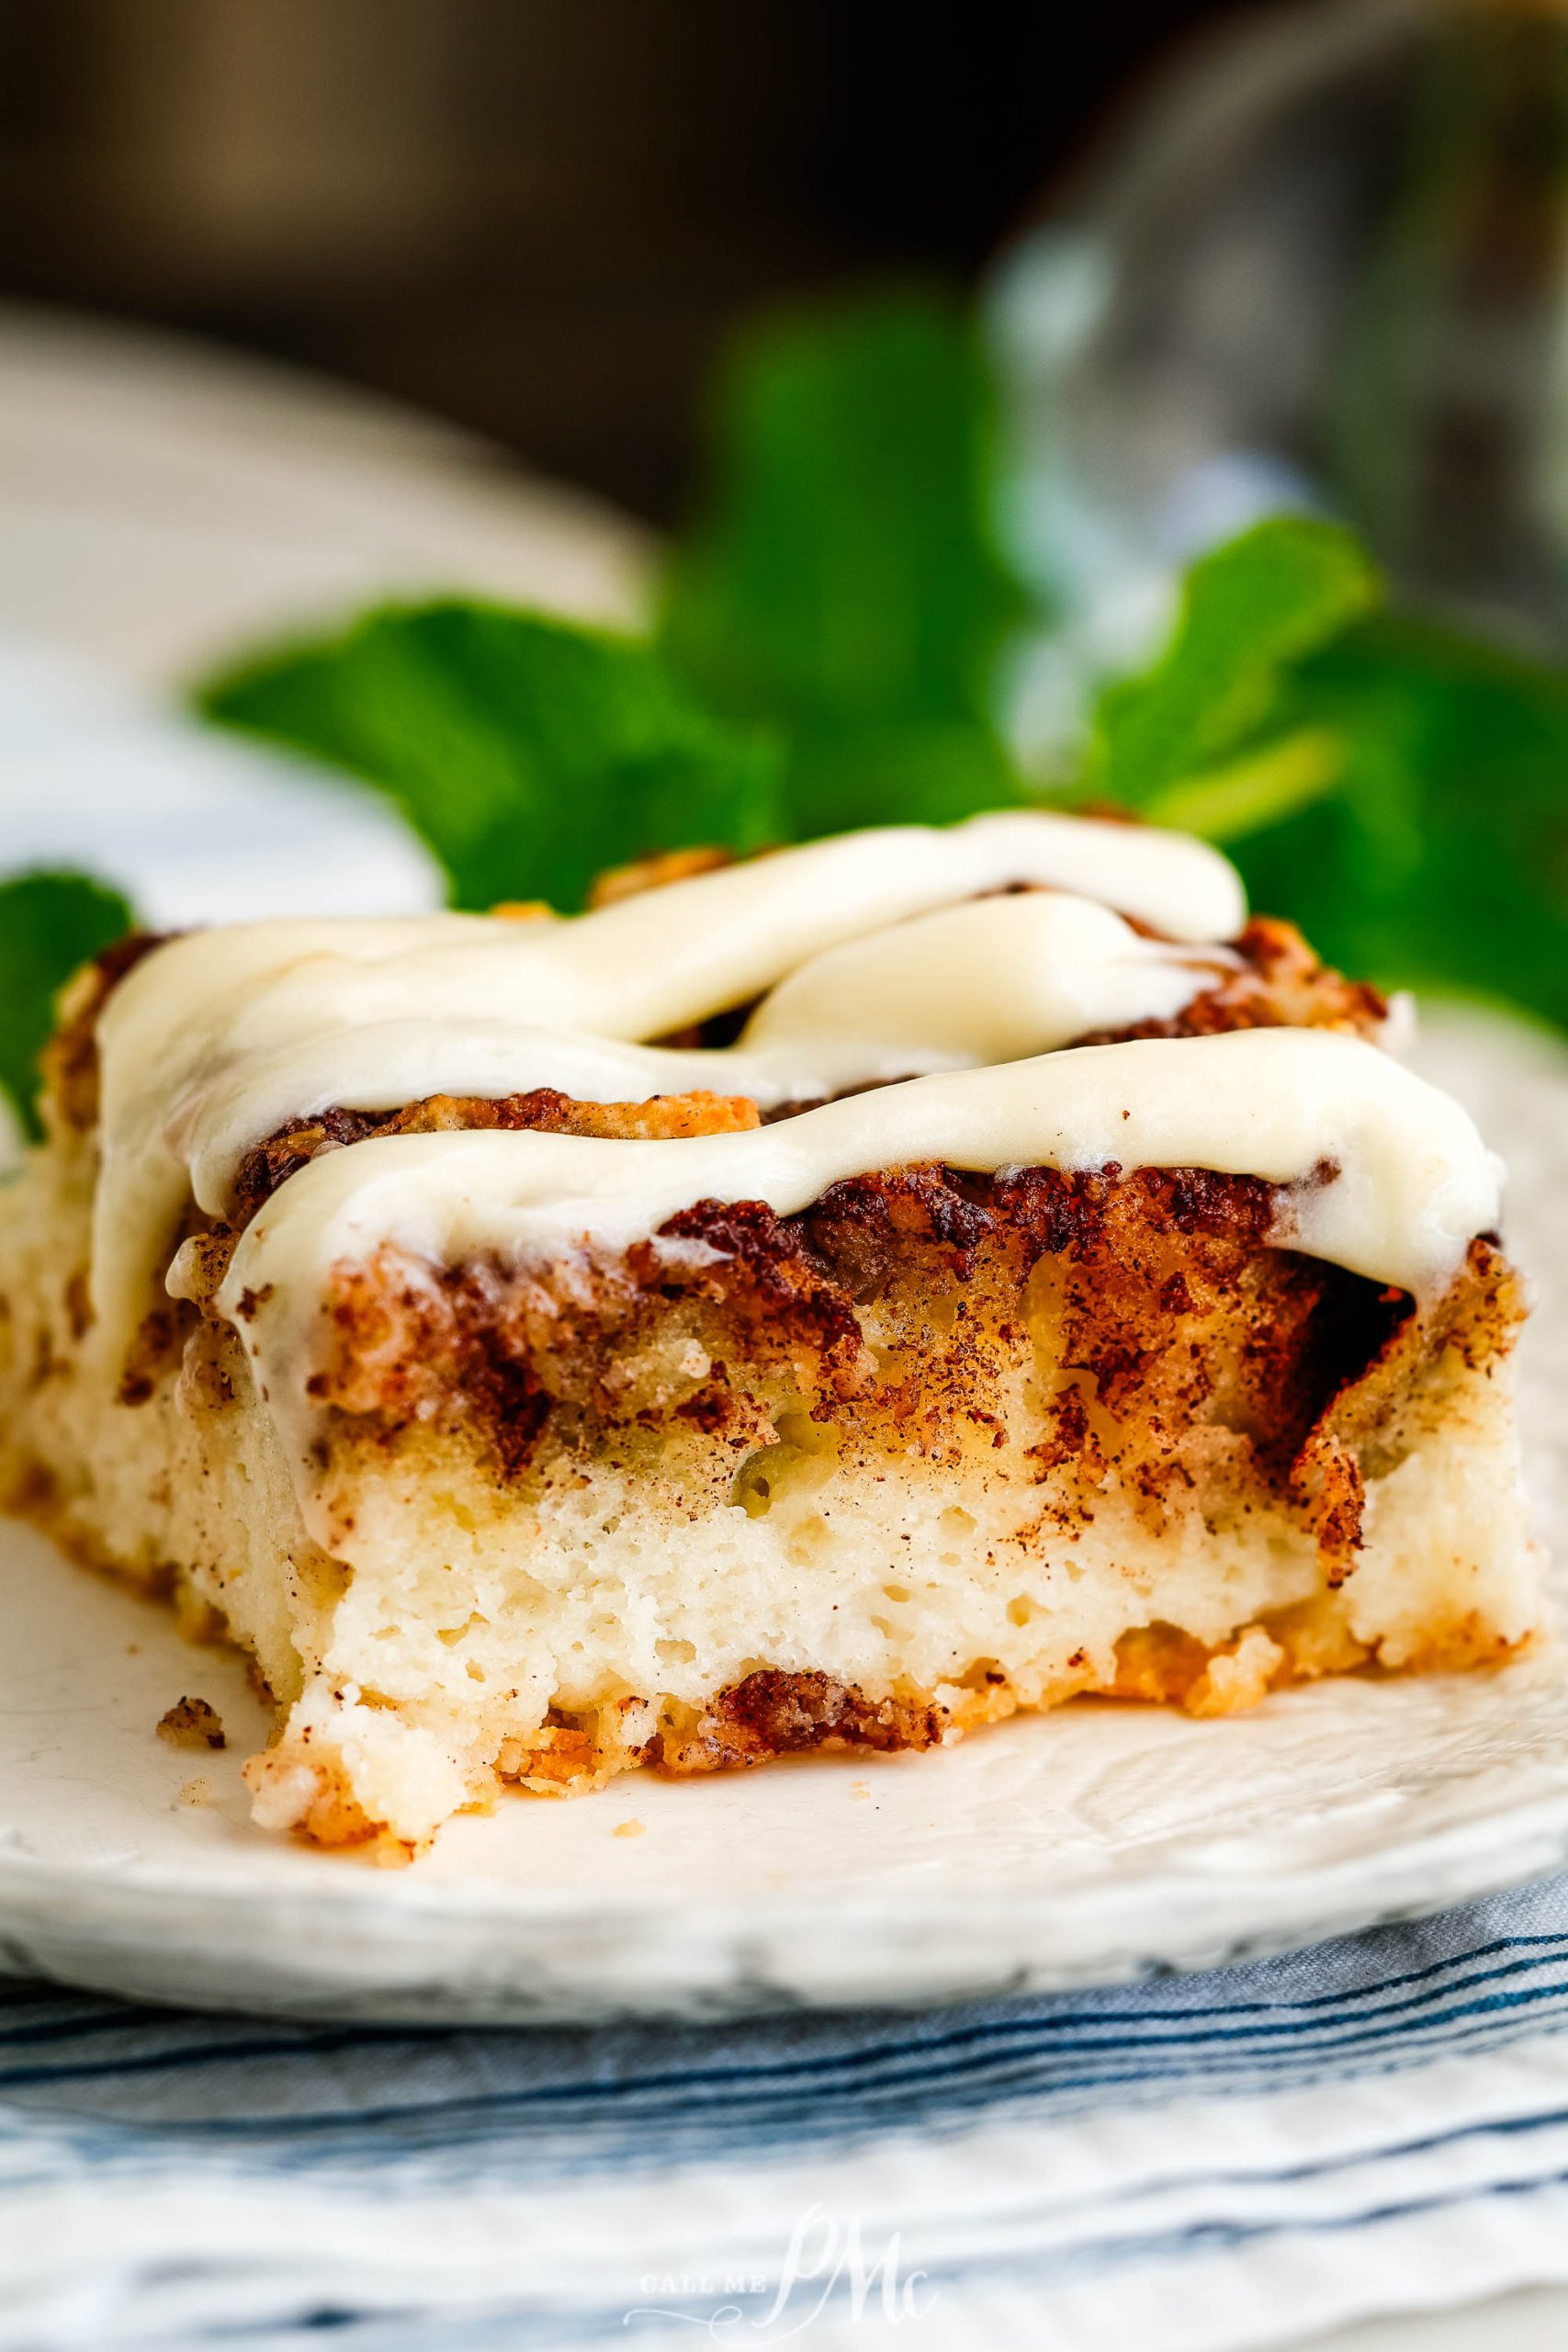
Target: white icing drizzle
column 883, row 956
column 217, row 1038
column 988, row 981
column 1414, row 1182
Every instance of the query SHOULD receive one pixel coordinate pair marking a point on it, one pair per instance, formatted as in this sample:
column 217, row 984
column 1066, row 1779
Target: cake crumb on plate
column 192, row 1723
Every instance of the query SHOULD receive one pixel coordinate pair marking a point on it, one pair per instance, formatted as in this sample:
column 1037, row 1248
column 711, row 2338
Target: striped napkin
column 1185, row 2164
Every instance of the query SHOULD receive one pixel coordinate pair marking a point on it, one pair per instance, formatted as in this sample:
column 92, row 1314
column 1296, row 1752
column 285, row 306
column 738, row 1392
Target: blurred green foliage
column 844, row 583
column 824, row 654
column 830, row 649
column 1440, row 858
column 1399, row 791
column 527, row 753
column 1249, row 614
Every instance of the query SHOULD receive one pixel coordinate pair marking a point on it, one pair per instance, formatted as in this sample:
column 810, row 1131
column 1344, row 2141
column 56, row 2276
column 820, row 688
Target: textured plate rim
column 488, row 1954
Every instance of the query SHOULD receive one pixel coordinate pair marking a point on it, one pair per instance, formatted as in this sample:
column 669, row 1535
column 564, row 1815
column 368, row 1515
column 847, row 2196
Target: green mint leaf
column 909, row 775
column 1249, row 612
column 843, row 582
column 49, row 925
column 1441, row 859
column 1397, row 789
column 1261, row 788
column 528, row 753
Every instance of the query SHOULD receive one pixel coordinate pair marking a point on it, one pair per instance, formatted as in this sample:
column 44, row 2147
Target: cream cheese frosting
column 1383, row 1173
column 218, row 1036
column 894, row 955
column 987, row 981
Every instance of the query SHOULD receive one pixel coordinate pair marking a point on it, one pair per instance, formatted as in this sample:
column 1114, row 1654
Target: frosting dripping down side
column 1381, row 1172
column 219, row 1035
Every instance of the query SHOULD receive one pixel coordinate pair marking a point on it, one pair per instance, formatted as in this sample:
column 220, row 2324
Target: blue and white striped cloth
column 1185, row 2164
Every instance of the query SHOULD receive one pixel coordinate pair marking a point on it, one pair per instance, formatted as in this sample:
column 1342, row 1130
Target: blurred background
column 305, row 303
column 536, row 216
column 1304, row 252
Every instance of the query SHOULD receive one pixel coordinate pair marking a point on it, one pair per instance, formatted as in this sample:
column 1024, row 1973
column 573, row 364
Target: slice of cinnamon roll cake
column 841, row 1298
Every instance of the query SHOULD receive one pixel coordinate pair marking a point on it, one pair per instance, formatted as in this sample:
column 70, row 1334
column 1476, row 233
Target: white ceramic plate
column 1073, row 1848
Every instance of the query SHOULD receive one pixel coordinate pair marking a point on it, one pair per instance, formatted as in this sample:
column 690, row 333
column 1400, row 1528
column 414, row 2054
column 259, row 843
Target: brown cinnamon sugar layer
column 162, row 1334
column 1281, row 984
column 903, row 1311
column 71, row 1056
column 771, row 1713
column 661, row 1118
